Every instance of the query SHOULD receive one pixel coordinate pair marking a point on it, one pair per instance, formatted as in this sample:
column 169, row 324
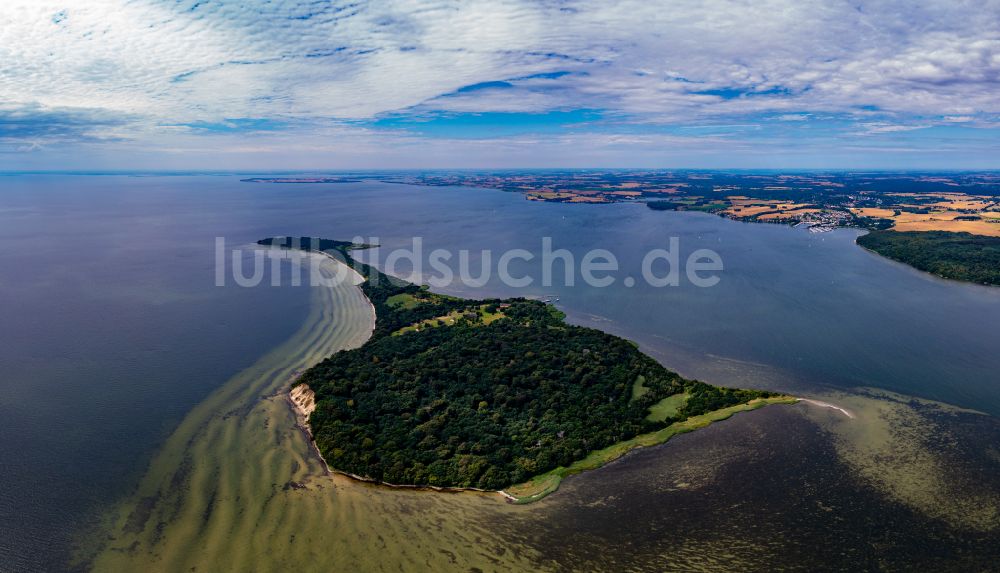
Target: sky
column 299, row 85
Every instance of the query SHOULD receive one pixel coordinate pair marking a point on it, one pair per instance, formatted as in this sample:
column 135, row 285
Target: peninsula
column 490, row 394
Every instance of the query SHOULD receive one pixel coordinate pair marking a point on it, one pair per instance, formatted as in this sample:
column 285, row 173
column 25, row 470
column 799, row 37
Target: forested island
column 959, row 256
column 484, row 394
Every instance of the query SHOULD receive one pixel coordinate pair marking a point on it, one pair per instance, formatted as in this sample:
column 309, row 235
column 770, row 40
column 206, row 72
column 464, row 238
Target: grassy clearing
column 485, row 317
column 405, row 300
column 412, row 300
column 639, row 387
column 667, row 407
column 544, row 484
column 663, row 409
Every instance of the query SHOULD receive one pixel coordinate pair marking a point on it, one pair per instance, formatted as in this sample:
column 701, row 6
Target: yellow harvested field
column 945, row 217
column 748, row 211
column 982, row 227
column 787, row 214
column 757, row 202
column 958, row 196
column 947, row 197
column 901, row 194
column 548, row 196
column 874, row 212
column 764, row 208
column 969, row 205
column 907, row 217
column 791, row 206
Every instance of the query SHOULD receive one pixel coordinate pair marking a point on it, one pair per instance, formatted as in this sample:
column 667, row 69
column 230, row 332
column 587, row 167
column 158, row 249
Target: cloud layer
column 721, row 76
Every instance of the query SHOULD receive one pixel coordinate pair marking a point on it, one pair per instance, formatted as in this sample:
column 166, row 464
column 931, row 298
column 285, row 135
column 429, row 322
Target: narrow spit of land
column 497, row 394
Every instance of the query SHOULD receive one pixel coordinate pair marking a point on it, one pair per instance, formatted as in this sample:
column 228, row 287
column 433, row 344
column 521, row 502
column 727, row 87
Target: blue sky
column 184, row 84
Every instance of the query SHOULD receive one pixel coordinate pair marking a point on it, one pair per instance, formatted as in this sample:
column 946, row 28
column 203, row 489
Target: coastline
column 358, row 276
column 545, row 484
column 301, row 400
column 302, row 404
column 916, row 269
column 241, row 442
column 821, row 404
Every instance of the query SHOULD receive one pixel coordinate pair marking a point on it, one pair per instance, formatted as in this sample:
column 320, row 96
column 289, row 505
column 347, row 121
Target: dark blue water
column 112, row 330
column 112, row 327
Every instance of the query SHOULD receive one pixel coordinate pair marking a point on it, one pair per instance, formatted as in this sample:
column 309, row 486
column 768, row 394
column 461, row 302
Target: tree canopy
column 501, row 391
column 960, row 256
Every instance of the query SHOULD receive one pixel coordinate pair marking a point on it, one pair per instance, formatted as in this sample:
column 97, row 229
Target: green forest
column 960, row 256
column 497, row 392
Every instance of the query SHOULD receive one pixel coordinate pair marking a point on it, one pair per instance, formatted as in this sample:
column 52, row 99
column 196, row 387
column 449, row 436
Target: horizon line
column 480, row 169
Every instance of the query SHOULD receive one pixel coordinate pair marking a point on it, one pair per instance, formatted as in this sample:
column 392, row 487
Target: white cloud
column 793, row 117
column 878, row 127
column 158, row 63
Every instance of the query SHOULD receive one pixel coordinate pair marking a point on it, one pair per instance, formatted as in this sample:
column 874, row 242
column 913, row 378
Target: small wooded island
column 486, row 394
